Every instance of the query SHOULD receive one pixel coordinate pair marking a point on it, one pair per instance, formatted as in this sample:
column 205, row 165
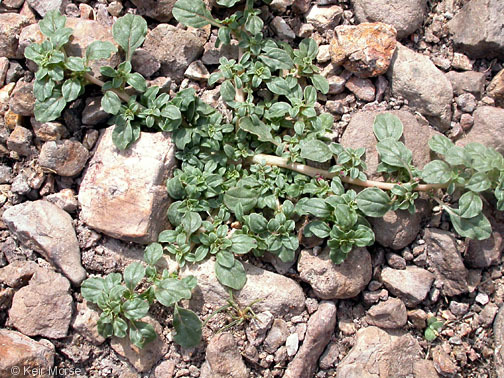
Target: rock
column 22, row 99
column 461, row 62
column 498, row 330
column 486, row 317
column 49, row 130
column 85, row 322
column 122, row 193
column 495, row 88
column 5, row 174
column 442, row 362
column 331, row 281
column 362, row 88
column 63, row 157
column 142, row 359
column 18, row 273
column 282, row 29
column 397, row 229
column 48, row 230
column 467, row 82
column 4, row 66
column 165, row 369
column 446, row 261
column 292, row 344
column 484, row 253
column 458, row 308
column 44, row 6
column 159, row 10
column 324, row 55
column 404, row 16
column 478, row 29
column 212, row 54
column 224, row 357
column 46, row 296
column 21, row 352
column 93, row 114
column 389, row 314
column 324, row 18
column 466, row 102
column 414, row 77
column 276, row 336
column 13, row 4
column 336, row 84
column 20, row 185
column 320, row 328
column 411, row 285
column 488, row 128
column 20, row 141
column 64, row 199
column 11, row 25
column 359, row 133
column 418, row 318
column 378, row 353
column 144, row 63
column 258, row 326
column 365, row 49
column 197, row 71
column 261, row 283
column 174, row 48
column 395, row 261
column 281, row 5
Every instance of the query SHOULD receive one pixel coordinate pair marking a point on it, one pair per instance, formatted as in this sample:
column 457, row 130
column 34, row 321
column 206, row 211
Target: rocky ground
column 73, row 206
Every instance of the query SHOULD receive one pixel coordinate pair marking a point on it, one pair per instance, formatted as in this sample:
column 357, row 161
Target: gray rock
column 159, row 10
column 282, row 29
column 320, row 328
column 362, row 88
column 458, row 308
column 123, row 193
column 20, row 141
column 359, row 133
column 486, row 317
column 495, row 88
column 197, row 71
column 93, row 114
column 414, row 77
column 44, row 6
column 212, row 54
column 174, row 48
column 22, row 99
column 466, row 102
column 14, row 4
column 478, row 29
column 44, row 307
column 378, row 353
column 142, row 359
column 261, row 283
column 411, row 284
column 64, row 157
column 277, row 336
column 406, row 16
column 292, row 344
column 498, row 330
column 324, row 18
column 484, row 253
column 258, row 327
column 49, row 130
column 4, row 66
column 47, row 229
column 395, row 261
column 330, row 356
column 331, row 281
column 20, row 185
column 467, row 82
column 389, row 314
column 224, row 358
column 336, row 84
column 488, row 128
column 11, row 25
column 18, row 273
column 85, row 322
column 144, row 63
column 397, row 229
column 20, row 352
column 281, row 5
column 446, row 261
column 64, row 199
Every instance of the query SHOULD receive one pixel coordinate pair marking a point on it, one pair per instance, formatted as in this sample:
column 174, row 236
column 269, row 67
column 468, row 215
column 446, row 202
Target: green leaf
column 278, row 110
column 238, row 195
column 141, row 333
column 170, row 291
column 373, row 202
column 254, row 24
column 257, row 223
column 191, row 222
column 129, row 32
column 394, row 153
column 479, row 182
column 34, row 52
column 75, row 64
column 92, row 289
column 52, row 22
column 100, row 50
column 188, row 327
column 43, row 89
column 363, row 236
column 276, row 58
column 133, row 274
column 429, row 334
column 440, row 144
column 153, row 252
column 71, row 89
column 308, row 48
column 318, row 228
column 259, row 129
column 137, row 81
column 316, row 150
column 111, row 102
column 436, row 172
column 227, row 3
column 477, row 227
column 227, row 91
column 225, row 258
column 387, row 126
column 314, row 206
column 61, row 37
column 457, row 156
column 50, row 109
column 234, row 277
column 123, row 135
column 193, row 13
column 321, row 83
column 135, row 309
column 470, row 205
column 120, row 327
column 279, row 86
column 242, row 244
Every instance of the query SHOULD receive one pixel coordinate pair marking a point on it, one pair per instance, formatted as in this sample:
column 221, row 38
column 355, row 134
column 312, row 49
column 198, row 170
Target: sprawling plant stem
column 314, row 172
column 93, row 80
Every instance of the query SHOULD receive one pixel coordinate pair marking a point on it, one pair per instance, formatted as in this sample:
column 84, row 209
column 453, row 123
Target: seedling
column 433, row 327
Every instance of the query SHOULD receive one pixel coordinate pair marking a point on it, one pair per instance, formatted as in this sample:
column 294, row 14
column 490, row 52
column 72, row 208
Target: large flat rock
column 123, row 193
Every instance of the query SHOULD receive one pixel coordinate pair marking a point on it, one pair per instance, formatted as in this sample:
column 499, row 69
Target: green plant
column 433, row 327
column 124, row 303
